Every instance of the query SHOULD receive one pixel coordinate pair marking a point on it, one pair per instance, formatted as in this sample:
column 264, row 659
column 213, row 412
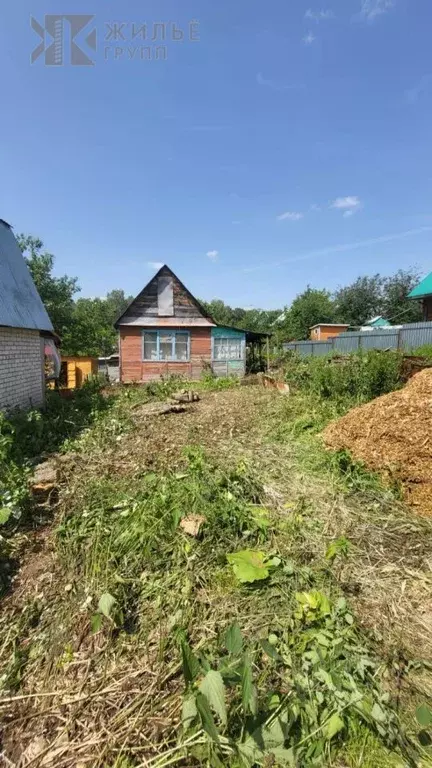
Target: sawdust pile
column 393, row 434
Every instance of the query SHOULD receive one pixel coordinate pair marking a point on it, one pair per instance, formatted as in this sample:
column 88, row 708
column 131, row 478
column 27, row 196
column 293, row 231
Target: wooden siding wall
column 133, row 368
column 325, row 332
column 146, row 303
column 427, row 308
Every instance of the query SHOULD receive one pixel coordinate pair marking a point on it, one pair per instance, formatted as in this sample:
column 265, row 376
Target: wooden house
column 423, row 292
column 165, row 330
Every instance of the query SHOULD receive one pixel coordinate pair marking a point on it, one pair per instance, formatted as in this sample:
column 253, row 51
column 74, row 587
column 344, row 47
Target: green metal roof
column 378, row 322
column 422, row 289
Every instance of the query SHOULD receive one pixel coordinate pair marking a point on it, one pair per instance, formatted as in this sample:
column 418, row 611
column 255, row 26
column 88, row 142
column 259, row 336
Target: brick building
column 23, row 320
column 165, row 330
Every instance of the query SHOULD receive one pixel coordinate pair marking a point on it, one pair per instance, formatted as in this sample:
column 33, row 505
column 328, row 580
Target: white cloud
column 155, row 264
column 290, row 216
column 349, row 205
column 318, row 16
column 309, row 38
column 370, row 9
column 212, row 255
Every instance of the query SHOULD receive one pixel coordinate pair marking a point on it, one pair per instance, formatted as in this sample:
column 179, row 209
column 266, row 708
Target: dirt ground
column 387, row 580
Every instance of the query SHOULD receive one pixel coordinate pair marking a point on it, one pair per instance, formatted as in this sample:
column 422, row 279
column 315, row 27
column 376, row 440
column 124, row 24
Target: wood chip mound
column 393, row 434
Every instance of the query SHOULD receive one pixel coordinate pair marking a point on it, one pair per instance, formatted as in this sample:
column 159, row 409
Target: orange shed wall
column 325, row 332
column 132, row 367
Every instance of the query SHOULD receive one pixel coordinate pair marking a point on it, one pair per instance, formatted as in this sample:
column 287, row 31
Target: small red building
column 165, row 330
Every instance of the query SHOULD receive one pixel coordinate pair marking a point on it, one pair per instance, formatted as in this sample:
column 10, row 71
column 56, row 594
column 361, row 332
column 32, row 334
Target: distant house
column 165, row 330
column 423, row 292
column 378, row 322
column 324, row 331
column 375, row 323
column 23, row 323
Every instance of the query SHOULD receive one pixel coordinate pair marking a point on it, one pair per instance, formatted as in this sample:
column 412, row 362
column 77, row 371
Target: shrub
column 360, row 377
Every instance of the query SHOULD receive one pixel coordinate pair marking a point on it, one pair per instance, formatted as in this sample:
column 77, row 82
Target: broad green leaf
column 249, row 565
column 424, row 715
column 273, row 736
column 191, row 665
column 378, row 713
column 106, row 604
column 213, row 688
column 333, row 726
column 247, row 687
column 5, row 514
column 270, row 650
column 233, row 639
column 96, row 622
column 249, row 752
column 206, row 717
column 326, row 678
column 284, row 757
column 189, row 711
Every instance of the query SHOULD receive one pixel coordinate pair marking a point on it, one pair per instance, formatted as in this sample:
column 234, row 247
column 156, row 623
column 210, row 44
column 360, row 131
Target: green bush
column 359, row 377
column 423, row 351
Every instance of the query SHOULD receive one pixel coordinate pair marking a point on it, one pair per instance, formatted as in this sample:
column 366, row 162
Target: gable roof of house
column 422, row 289
column 378, row 322
column 20, row 304
column 166, row 269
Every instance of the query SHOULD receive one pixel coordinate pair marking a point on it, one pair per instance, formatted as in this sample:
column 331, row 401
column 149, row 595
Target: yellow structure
column 75, row 370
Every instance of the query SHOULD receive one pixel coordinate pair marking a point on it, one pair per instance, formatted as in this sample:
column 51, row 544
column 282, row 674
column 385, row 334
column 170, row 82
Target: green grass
column 356, row 378
column 135, row 622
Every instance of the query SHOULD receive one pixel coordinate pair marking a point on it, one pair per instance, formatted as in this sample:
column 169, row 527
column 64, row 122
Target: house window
column 227, row 348
column 167, row 345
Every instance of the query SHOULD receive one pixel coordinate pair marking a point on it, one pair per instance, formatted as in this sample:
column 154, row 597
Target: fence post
column 399, row 339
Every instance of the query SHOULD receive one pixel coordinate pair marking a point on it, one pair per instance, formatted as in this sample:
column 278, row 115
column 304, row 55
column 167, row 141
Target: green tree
column 91, row 331
column 308, row 308
column 56, row 292
column 360, row 301
column 238, row 317
column 395, row 305
column 367, row 297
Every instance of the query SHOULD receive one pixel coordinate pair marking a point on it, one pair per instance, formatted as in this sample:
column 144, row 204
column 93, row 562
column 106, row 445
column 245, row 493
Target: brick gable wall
column 21, row 369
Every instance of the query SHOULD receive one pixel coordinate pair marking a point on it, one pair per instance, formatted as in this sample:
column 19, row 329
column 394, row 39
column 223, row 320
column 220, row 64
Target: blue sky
column 290, row 144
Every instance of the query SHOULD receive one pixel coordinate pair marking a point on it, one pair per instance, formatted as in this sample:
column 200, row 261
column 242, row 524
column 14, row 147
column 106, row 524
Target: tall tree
column 56, row 292
column 360, row 301
column 395, row 305
column 308, row 308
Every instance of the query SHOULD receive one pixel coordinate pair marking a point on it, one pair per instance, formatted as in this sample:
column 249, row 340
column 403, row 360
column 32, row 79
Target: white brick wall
column 21, row 369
